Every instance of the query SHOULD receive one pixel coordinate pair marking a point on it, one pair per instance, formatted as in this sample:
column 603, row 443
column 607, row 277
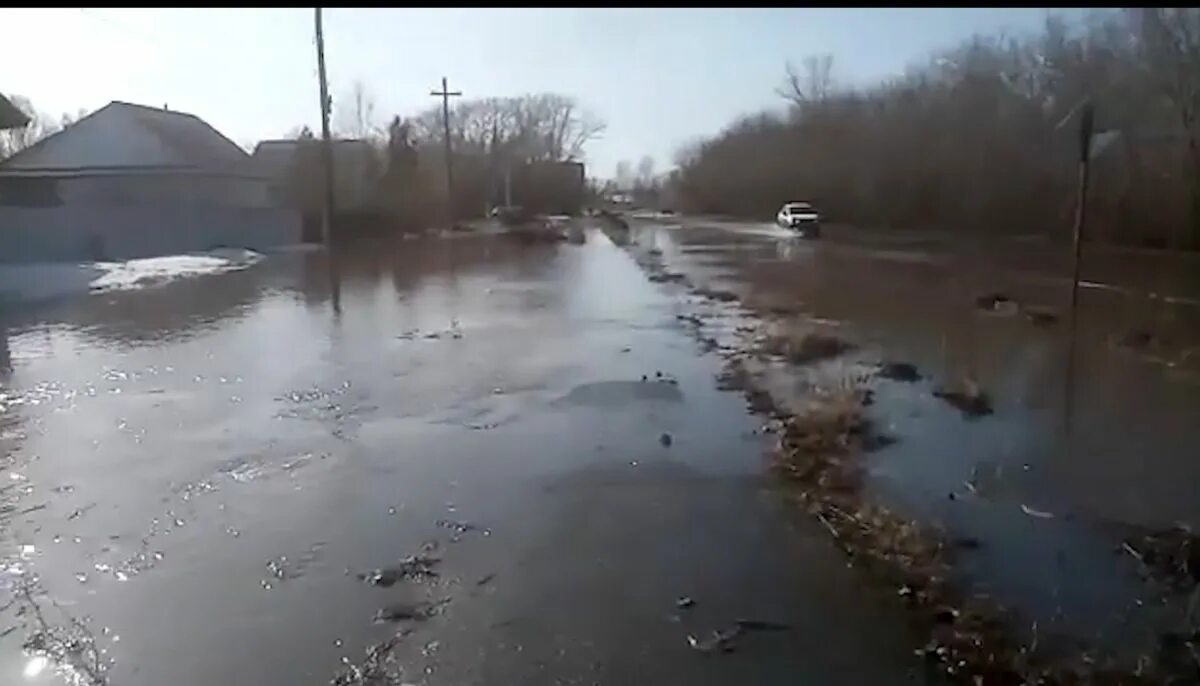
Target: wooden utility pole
column 326, row 144
column 445, row 94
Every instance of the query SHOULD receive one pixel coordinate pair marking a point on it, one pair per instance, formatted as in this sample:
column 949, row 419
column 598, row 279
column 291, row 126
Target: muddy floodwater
column 1084, row 444
column 479, row 463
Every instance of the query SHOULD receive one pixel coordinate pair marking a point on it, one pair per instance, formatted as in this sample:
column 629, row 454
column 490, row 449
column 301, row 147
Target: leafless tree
column 1170, row 44
column 968, row 139
column 645, row 171
column 357, row 118
column 541, row 127
column 624, row 175
column 13, row 141
column 812, row 85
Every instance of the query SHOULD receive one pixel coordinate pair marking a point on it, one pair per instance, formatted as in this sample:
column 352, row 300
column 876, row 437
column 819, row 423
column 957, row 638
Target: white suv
column 802, row 217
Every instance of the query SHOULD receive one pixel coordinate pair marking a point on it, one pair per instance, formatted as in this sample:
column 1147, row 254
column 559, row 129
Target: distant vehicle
column 802, row 217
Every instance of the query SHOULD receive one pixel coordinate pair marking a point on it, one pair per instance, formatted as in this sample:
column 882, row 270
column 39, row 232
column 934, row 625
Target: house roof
column 141, row 139
column 11, row 116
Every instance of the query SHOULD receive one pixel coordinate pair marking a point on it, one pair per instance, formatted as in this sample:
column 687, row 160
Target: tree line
column 983, row 137
column 488, row 136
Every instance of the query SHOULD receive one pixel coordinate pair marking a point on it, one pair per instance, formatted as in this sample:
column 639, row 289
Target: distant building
column 10, row 116
column 549, row 187
column 127, row 154
column 295, row 171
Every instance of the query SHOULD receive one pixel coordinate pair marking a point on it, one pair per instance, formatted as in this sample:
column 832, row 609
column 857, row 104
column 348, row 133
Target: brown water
column 1115, row 446
column 195, row 474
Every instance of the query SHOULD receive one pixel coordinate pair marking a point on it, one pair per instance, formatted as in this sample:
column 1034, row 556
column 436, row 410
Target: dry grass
column 800, row 346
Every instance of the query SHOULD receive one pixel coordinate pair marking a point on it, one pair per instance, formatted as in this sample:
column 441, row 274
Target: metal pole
column 1085, row 148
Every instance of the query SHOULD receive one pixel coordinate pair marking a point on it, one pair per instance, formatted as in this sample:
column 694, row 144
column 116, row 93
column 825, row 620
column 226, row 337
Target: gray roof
column 11, row 116
column 125, row 137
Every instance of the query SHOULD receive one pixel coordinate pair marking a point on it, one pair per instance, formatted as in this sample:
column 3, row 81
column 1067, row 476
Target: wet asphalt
column 199, row 479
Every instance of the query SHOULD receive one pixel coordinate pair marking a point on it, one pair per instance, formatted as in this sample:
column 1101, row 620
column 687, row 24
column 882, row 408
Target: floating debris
column 899, row 371
column 997, row 303
column 1040, row 514
column 665, row 440
column 459, row 528
column 1172, row 554
column 715, row 294
column 378, row 667
column 1040, row 316
column 684, row 602
column 971, row 400
column 722, row 640
column 402, row 611
column 412, row 568
column 486, row 579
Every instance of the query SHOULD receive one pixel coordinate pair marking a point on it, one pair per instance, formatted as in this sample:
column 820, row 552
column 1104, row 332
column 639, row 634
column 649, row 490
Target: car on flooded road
column 801, row 217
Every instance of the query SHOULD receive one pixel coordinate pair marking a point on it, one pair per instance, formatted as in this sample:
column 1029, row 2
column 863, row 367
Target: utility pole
column 1086, row 121
column 445, row 94
column 326, row 144
column 327, row 156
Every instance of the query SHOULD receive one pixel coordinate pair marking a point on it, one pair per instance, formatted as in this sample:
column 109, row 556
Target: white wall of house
column 178, row 188
column 80, row 233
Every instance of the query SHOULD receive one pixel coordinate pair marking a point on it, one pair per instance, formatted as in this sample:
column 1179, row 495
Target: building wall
column 136, row 189
column 74, row 233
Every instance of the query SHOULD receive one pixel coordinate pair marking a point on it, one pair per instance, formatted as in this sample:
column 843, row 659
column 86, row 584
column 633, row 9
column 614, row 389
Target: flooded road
column 488, row 464
column 1045, row 488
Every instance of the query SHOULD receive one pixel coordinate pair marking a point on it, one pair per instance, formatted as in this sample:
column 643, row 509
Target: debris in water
column 971, row 401
column 719, row 639
column 420, row 611
column 1040, row 514
column 411, row 568
column 806, row 348
column 1040, row 317
column 684, row 602
column 665, row 439
column 997, row 302
column 899, row 371
column 485, row 579
column 461, row 527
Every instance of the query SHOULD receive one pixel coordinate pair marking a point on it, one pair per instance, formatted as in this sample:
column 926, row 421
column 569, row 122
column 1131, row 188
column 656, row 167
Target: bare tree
column 814, row 84
column 13, row 141
column 1170, row 42
column 624, row 175
column 968, row 140
column 357, row 119
column 645, row 171
column 541, row 127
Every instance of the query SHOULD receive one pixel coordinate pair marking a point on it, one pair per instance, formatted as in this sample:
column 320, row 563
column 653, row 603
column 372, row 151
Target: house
column 294, row 169
column 130, row 154
column 10, row 116
column 133, row 181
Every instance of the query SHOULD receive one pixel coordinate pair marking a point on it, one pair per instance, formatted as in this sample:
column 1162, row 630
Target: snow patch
column 153, row 271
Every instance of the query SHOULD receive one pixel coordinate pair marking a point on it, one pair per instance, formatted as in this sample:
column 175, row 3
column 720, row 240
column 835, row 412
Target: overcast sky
column 658, row 77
